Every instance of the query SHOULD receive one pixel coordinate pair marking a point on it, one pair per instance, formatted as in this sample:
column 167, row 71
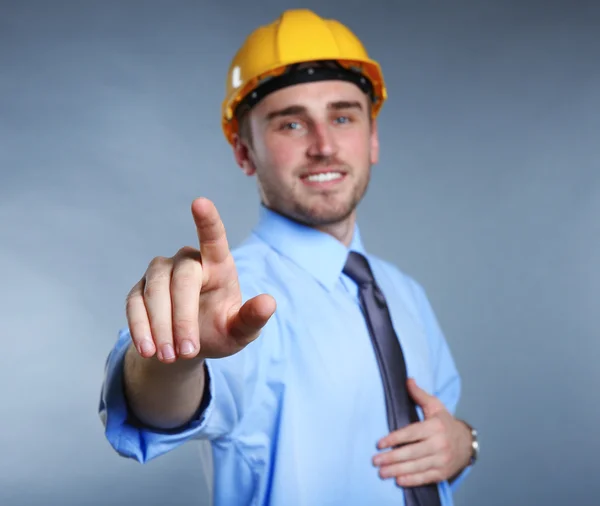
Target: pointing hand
column 190, row 305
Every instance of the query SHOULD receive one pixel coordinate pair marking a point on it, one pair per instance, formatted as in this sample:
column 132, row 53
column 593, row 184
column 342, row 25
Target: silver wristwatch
column 474, row 444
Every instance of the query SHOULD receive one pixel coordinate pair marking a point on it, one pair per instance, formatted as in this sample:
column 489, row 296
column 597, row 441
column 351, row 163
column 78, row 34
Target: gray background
column 488, row 192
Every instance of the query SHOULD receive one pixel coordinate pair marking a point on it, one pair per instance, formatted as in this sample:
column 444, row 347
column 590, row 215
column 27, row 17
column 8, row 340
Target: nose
column 323, row 144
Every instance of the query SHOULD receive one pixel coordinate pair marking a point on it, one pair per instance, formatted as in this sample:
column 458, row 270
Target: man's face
column 312, row 149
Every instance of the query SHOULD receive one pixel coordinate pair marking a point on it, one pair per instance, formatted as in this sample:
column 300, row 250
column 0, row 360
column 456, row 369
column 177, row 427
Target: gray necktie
column 401, row 409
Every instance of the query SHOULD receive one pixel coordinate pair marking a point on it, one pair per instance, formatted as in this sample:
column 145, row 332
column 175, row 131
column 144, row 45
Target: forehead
column 312, row 96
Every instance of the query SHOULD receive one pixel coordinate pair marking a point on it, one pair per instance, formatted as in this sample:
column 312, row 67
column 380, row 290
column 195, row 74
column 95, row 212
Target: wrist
column 153, row 368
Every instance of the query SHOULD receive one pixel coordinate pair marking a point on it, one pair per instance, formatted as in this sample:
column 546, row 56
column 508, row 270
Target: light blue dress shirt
column 294, row 418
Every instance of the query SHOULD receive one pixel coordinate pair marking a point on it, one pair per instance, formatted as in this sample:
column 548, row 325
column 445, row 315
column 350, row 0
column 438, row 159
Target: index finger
column 214, row 247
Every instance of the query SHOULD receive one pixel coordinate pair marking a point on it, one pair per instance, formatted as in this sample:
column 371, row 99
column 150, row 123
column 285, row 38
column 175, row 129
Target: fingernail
column 168, row 352
column 186, row 347
column 146, row 347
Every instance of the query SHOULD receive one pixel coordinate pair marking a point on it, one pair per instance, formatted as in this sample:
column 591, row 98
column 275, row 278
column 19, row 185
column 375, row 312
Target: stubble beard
column 324, row 210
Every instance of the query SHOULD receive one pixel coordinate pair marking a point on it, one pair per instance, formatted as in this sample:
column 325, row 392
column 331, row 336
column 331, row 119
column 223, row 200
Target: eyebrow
column 299, row 109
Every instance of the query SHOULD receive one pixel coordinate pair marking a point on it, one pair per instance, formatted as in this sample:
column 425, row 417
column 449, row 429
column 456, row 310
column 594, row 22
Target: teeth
column 326, row 176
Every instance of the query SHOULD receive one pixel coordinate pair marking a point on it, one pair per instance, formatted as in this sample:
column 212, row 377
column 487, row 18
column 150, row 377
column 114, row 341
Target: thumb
column 246, row 324
column 428, row 402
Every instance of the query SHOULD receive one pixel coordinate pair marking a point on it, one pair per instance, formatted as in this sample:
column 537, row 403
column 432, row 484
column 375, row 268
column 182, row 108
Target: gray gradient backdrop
column 488, row 192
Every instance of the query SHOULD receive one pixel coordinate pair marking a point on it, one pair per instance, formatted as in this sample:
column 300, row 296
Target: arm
column 164, row 396
column 133, row 435
column 447, row 380
column 188, row 329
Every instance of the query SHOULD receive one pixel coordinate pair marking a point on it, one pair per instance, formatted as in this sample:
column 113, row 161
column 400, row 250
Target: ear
column 374, row 142
column 242, row 152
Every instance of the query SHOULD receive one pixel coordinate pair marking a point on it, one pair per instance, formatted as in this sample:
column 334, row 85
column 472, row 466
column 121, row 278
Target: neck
column 343, row 231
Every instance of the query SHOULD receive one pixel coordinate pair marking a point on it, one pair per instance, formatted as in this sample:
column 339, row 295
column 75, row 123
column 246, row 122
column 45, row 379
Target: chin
column 322, row 214
column 316, row 210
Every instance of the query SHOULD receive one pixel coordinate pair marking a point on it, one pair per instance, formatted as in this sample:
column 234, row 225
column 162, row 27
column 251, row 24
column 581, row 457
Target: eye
column 342, row 119
column 290, row 125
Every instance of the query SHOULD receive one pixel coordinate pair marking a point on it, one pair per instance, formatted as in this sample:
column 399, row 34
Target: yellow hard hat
column 268, row 60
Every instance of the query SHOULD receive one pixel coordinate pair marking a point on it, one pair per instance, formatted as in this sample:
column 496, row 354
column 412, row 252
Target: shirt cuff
column 131, row 439
column 456, row 482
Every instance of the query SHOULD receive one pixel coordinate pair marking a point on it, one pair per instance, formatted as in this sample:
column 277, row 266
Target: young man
column 292, row 355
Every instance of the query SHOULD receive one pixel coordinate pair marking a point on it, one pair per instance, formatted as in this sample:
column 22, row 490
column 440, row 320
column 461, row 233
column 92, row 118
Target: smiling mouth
column 324, row 177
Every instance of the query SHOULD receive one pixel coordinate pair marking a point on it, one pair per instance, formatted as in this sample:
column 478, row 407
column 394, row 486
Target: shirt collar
column 318, row 253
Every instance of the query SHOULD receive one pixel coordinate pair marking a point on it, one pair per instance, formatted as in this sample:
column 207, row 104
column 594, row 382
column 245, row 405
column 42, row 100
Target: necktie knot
column 357, row 268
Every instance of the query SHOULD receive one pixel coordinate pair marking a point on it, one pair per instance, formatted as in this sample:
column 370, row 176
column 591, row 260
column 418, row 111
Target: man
column 292, row 355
